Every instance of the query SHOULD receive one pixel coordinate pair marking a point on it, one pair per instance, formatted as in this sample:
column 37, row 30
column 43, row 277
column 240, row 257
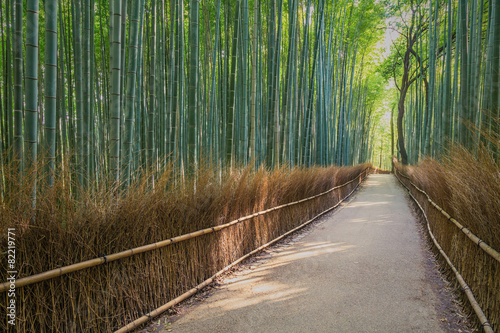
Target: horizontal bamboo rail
column 144, row 319
column 150, row 247
column 475, row 305
column 478, row 241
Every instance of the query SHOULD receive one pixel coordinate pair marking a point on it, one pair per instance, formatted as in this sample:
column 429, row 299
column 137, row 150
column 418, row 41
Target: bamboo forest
column 132, row 131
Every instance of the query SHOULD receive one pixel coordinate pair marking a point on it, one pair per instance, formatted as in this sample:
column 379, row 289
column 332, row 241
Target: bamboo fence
column 147, row 317
column 486, row 325
column 25, row 281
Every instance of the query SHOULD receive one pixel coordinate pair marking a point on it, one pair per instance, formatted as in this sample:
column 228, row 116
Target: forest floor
column 365, row 267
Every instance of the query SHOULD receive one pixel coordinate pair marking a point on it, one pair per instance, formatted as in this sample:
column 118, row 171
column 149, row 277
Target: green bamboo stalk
column 464, row 75
column 271, row 40
column 85, row 7
column 133, row 46
column 4, row 130
column 31, row 83
column 181, row 120
column 172, row 87
column 433, row 37
column 302, row 85
column 253, row 96
column 77, row 49
column 123, row 56
column 495, row 80
column 162, row 84
column 447, row 93
column 260, row 128
column 456, row 118
column 92, row 84
column 62, row 89
column 50, row 84
column 230, row 133
column 288, row 102
column 276, row 102
column 70, row 47
column 115, row 111
column 213, row 93
column 193, row 83
column 473, row 74
column 243, row 109
column 8, row 83
column 18, row 85
column 349, row 112
column 152, row 86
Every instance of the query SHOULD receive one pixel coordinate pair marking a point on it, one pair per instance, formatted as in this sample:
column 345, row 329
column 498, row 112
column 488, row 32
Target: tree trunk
column 392, row 139
column 401, row 140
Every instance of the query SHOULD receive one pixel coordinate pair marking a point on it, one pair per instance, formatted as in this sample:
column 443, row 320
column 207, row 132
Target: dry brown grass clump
column 468, row 188
column 476, row 194
column 63, row 231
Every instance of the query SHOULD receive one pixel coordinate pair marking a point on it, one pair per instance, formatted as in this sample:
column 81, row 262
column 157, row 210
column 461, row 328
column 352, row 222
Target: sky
column 389, row 36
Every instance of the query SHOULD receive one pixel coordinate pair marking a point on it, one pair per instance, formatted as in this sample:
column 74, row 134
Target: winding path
column 363, row 268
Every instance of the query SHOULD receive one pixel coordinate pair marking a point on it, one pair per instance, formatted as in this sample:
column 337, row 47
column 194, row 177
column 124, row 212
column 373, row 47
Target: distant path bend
column 363, row 269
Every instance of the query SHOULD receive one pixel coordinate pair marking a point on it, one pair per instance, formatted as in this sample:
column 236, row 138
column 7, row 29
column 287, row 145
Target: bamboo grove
column 104, row 89
column 446, row 68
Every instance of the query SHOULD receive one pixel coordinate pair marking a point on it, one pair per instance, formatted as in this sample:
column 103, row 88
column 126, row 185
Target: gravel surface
column 364, row 268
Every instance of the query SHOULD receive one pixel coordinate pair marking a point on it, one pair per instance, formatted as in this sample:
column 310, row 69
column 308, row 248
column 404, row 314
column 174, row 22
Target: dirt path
column 364, row 268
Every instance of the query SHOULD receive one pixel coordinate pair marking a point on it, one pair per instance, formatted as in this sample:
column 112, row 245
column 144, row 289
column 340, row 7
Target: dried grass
column 106, row 297
column 468, row 189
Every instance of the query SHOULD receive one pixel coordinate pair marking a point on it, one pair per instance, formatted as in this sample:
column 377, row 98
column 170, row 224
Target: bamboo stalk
column 50, row 85
column 115, row 110
column 193, row 85
column 17, row 38
column 130, row 95
column 31, row 96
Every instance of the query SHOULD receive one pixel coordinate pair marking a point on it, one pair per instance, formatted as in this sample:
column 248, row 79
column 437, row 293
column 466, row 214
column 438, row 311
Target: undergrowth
column 64, row 230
